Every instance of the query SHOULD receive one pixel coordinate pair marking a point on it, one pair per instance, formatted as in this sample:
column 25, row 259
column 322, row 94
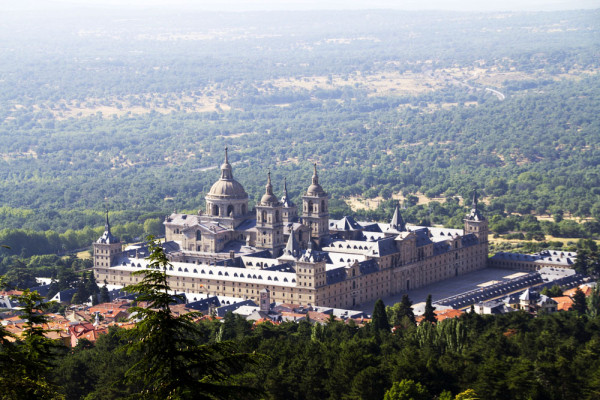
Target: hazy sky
column 254, row 5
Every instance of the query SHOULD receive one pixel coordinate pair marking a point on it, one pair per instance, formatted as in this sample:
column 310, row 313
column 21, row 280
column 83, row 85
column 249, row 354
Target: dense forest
column 133, row 113
column 166, row 355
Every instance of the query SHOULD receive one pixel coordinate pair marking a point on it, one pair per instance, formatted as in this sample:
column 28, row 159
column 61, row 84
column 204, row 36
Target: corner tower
column 227, row 201
column 315, row 210
column 476, row 223
column 269, row 221
column 106, row 248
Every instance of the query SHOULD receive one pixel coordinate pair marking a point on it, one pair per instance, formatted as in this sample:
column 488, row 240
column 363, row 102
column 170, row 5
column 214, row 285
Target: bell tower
column 106, row 248
column 269, row 221
column 315, row 209
column 476, row 223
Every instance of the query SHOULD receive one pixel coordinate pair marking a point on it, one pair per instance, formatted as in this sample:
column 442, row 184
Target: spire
column 226, row 168
column 269, row 198
column 292, row 248
column 107, row 237
column 315, row 189
column 397, row 222
column 269, row 187
column 107, row 224
column 285, row 200
column 475, row 215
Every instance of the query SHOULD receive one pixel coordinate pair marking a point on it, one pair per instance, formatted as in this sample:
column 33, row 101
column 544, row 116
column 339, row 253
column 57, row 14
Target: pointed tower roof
column 293, row 247
column 269, row 198
column 107, row 237
column 285, row 200
column 475, row 215
column 397, row 222
column 227, row 187
column 315, row 189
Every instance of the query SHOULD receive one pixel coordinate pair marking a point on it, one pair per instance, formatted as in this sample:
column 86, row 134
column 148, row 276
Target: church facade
column 308, row 259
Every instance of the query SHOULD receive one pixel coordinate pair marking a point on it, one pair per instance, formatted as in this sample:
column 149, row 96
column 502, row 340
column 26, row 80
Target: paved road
column 446, row 288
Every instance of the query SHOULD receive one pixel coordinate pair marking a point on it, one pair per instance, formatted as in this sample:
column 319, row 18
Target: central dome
column 230, row 189
column 227, row 187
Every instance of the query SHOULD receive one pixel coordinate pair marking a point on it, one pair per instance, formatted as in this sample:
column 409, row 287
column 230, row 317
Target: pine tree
column 172, row 365
column 380, row 321
column 30, row 358
column 429, row 311
column 579, row 302
column 404, row 309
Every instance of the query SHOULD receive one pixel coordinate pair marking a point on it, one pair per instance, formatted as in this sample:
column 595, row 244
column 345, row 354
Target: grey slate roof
column 107, row 237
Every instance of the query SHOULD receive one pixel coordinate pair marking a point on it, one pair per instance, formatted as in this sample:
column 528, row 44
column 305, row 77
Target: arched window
column 243, row 209
column 310, row 206
column 230, row 210
column 276, row 215
column 198, row 235
column 263, row 216
column 215, row 210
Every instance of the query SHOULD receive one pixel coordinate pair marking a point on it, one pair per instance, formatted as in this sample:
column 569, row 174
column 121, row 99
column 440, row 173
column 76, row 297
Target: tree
column 19, row 276
column 579, row 302
column 468, row 394
column 402, row 310
column 172, row 365
column 90, row 284
column 554, row 291
column 593, row 301
column 429, row 311
column 82, row 295
column 154, row 226
column 31, row 357
column 406, row 389
column 445, row 395
column 104, row 295
column 380, row 321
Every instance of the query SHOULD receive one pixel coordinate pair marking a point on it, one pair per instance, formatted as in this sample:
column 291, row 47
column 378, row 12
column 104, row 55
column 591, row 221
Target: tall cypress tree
column 429, row 311
column 380, row 321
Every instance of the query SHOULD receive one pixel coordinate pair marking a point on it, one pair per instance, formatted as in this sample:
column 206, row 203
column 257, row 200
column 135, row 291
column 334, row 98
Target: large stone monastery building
column 309, row 259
